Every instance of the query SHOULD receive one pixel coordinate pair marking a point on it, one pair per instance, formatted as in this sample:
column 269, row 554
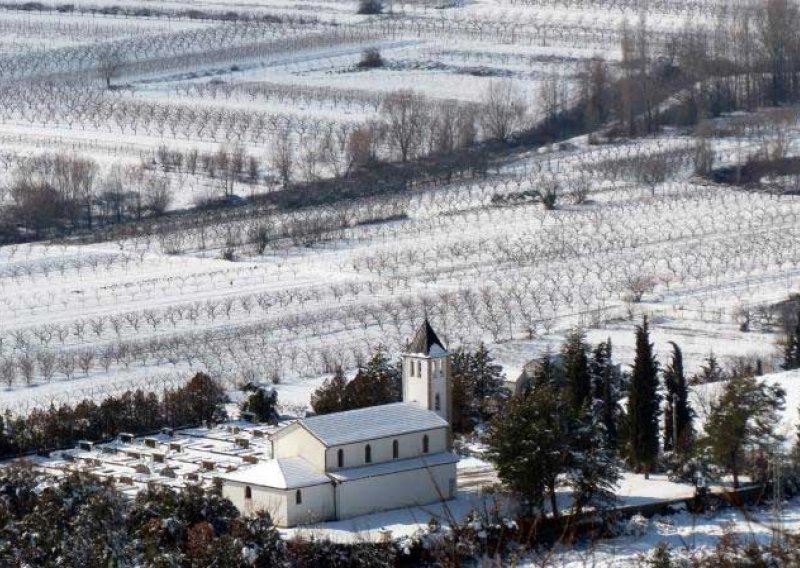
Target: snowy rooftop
column 281, row 473
column 394, row 466
column 372, row 423
column 195, row 455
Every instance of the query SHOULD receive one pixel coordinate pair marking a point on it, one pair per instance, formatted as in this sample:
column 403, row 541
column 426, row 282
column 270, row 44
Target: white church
column 346, row 464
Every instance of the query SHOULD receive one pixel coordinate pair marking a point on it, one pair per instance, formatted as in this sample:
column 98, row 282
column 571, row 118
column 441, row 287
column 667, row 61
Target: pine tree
column 262, row 402
column 678, row 413
column 594, row 470
column 606, row 389
column 488, row 388
column 477, row 388
column 791, row 348
column 329, row 397
column 529, row 446
column 710, row 372
column 643, row 404
column 745, row 415
column 547, row 373
column 464, row 412
column 578, row 381
column 378, row 383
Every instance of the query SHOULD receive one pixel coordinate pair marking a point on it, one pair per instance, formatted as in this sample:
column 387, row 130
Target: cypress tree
column 678, row 413
column 577, row 379
column 606, row 390
column 643, row 404
column 791, row 348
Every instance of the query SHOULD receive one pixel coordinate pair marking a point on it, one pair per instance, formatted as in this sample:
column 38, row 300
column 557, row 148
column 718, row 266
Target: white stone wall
column 274, row 501
column 317, row 505
column 317, row 502
column 423, row 379
column 396, row 490
column 299, row 442
column 410, row 446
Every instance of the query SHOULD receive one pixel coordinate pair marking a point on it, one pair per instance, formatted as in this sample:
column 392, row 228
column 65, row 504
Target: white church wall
column 410, row 446
column 316, row 505
column 297, row 441
column 396, row 490
column 423, row 379
column 273, row 501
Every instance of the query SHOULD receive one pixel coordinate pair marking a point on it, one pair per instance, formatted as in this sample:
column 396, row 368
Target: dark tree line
column 555, row 431
column 79, row 520
column 378, row 382
column 135, row 412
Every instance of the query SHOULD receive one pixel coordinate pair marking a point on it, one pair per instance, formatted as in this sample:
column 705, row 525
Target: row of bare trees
column 55, row 192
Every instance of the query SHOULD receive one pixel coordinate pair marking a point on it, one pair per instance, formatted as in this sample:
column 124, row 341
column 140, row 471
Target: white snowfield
column 485, row 265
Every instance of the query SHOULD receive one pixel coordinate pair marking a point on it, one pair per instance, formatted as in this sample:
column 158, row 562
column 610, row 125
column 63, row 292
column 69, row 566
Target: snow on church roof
column 396, row 466
column 371, row 423
column 281, row 473
column 426, row 342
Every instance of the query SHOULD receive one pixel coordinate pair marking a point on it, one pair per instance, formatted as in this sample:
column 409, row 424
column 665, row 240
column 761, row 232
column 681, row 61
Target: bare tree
column 109, row 66
column 282, row 157
column 405, row 115
column 503, row 110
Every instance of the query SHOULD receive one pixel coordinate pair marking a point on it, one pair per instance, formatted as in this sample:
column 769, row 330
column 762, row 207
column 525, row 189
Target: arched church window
column 368, row 453
column 419, row 368
column 298, row 497
column 248, row 492
column 425, row 444
column 340, row 458
column 437, row 402
column 395, row 449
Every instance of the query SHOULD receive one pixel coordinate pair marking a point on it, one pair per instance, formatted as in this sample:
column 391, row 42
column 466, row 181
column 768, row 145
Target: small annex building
column 345, row 464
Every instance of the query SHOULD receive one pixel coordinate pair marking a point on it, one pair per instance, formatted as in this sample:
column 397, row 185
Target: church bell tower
column 426, row 372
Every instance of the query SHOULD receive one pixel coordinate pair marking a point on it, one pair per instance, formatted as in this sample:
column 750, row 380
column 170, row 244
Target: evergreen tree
column 487, row 380
column 745, row 415
column 606, row 389
column 577, row 378
column 377, row 383
column 791, row 347
column 710, row 372
column 528, row 446
column 643, row 405
column 464, row 407
column 329, row 397
column 547, row 373
column 477, row 388
column 678, row 413
column 594, row 470
column 262, row 403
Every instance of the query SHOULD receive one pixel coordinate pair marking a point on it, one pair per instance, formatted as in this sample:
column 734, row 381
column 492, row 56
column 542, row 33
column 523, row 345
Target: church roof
column 395, row 466
column 426, row 341
column 372, row 423
column 281, row 473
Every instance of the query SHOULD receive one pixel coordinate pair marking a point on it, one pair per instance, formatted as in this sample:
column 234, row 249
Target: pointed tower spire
column 425, row 340
column 426, row 372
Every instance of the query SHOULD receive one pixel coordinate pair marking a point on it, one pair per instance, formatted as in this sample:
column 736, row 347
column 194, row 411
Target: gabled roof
column 426, row 341
column 281, row 473
column 396, row 466
column 371, row 423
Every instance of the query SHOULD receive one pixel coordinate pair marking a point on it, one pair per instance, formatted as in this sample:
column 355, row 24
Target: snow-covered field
column 90, row 317
column 485, row 263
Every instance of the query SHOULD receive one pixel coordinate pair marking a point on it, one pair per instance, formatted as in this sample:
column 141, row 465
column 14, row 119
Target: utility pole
column 675, row 422
column 777, row 497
